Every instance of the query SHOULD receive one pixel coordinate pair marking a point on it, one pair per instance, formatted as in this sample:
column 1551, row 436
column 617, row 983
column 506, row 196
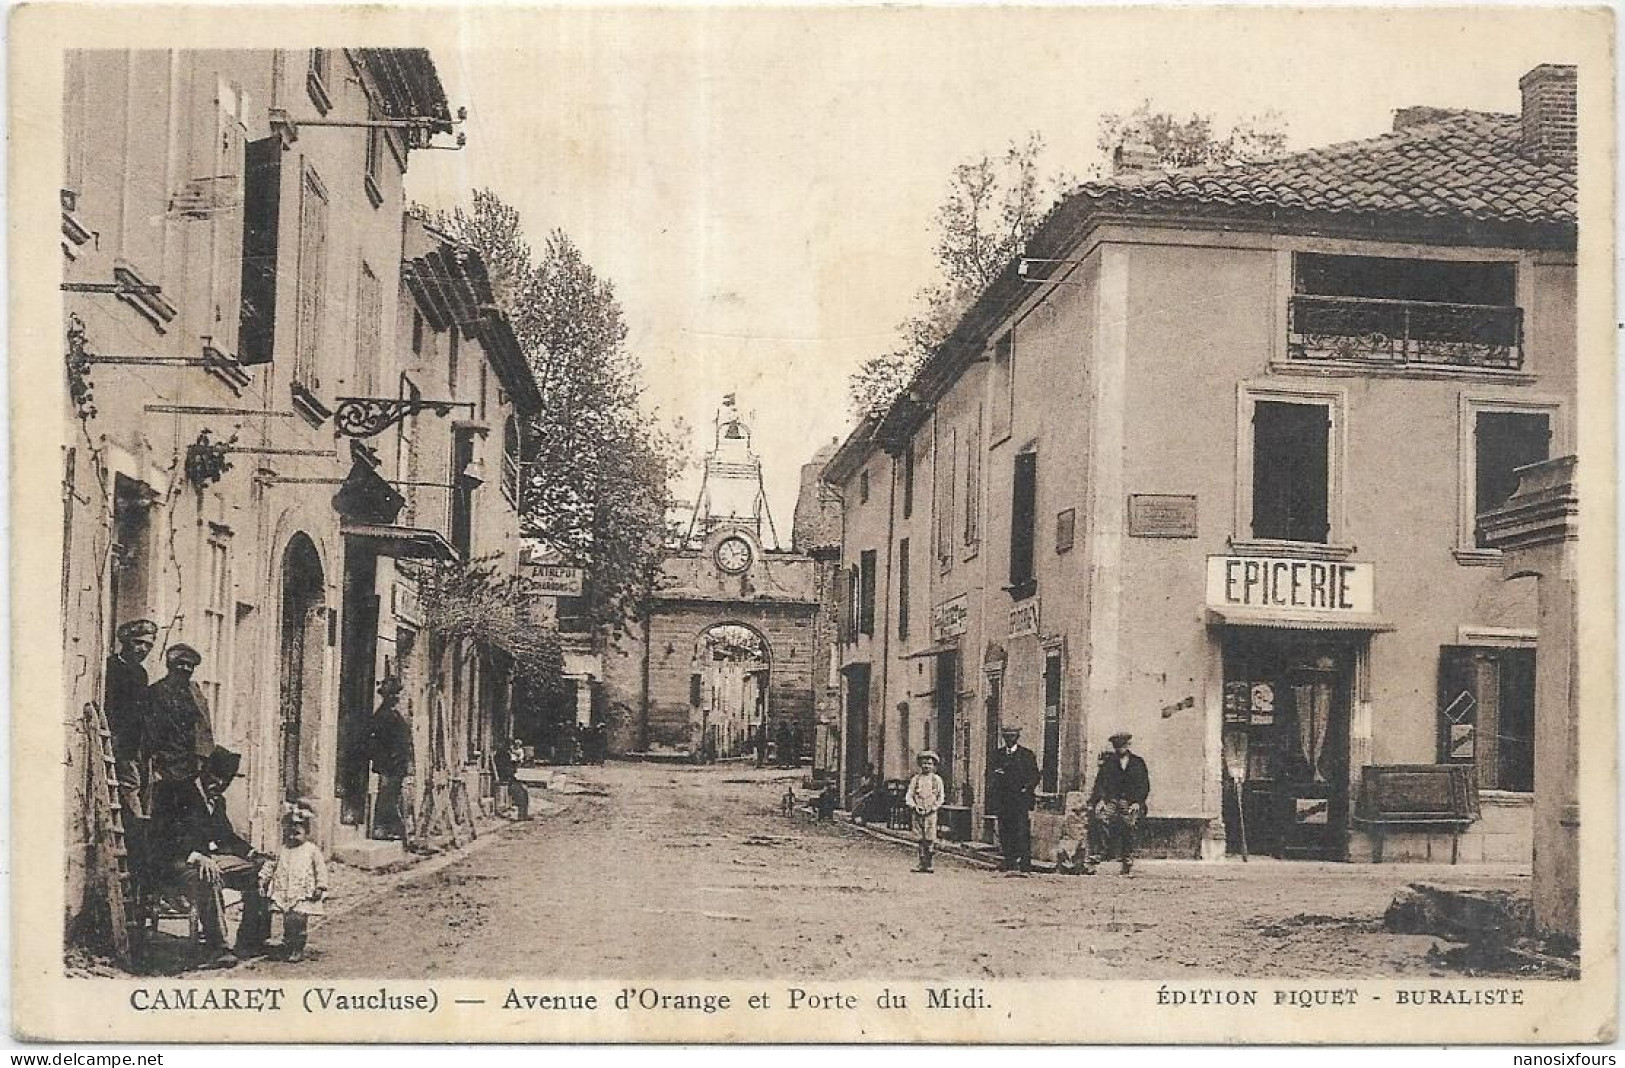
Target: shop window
column 572, row 615
column 1486, row 713
column 1393, row 312
column 1291, row 471
column 262, row 203
column 866, row 592
column 1050, row 761
column 1002, row 388
column 1023, row 526
column 902, row 589
column 1503, row 442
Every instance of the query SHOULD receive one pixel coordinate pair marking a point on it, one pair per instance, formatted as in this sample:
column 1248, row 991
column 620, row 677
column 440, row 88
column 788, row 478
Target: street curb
column 952, row 849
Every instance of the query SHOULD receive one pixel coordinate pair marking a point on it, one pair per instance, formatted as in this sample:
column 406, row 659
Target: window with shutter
column 1001, row 390
column 1291, row 471
column 262, row 200
column 1023, row 529
column 312, row 281
column 943, row 498
column 218, row 196
column 902, row 589
column 973, row 481
column 866, row 592
column 368, row 313
column 1503, row 442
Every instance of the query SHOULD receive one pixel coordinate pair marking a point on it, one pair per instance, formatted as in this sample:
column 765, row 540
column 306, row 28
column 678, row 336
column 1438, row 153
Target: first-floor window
column 1503, row 442
column 1487, row 713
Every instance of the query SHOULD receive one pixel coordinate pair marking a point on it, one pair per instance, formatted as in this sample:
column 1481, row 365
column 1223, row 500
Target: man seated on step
column 194, row 844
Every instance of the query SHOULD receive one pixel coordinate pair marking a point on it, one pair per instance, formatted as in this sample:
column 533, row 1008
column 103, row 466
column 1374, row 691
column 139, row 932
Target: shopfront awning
column 401, row 543
column 1264, row 617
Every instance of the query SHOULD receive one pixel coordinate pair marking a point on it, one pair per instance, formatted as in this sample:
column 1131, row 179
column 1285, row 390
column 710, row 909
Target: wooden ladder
column 112, row 855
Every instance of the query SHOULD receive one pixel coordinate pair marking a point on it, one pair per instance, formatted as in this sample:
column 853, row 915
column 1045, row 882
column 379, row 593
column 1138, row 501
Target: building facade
column 246, row 463
column 1205, row 465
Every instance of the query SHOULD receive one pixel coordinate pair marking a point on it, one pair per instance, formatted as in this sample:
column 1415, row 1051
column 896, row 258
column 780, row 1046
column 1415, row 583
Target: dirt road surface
column 686, row 872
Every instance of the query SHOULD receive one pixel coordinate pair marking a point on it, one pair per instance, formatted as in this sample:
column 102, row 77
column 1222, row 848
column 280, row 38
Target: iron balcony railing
column 1401, row 333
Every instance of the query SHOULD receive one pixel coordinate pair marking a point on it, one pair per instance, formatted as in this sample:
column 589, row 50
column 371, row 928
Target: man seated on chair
column 194, row 843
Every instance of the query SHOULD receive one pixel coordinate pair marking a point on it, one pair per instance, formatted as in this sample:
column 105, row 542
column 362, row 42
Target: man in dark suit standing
column 193, row 840
column 1122, row 785
column 1010, row 797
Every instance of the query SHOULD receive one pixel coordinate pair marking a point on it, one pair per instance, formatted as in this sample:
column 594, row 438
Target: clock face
column 733, row 555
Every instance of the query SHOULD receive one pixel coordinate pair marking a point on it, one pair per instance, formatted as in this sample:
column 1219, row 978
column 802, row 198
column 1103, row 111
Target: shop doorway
column 303, row 632
column 1287, row 696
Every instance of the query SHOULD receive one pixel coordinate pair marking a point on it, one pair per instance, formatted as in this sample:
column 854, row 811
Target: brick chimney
column 1549, row 115
column 1133, row 153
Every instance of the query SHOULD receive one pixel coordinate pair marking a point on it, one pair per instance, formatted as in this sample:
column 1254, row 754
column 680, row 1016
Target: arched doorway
column 303, row 634
column 728, row 692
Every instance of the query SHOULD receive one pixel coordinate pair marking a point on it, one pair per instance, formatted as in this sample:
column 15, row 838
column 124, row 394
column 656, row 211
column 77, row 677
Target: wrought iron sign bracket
column 364, row 417
column 420, row 129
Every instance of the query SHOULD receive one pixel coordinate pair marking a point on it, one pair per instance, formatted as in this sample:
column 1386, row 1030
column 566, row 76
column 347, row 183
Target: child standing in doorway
column 925, row 795
column 296, row 881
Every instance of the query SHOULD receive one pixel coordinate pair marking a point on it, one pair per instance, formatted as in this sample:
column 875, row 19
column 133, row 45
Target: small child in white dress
column 296, row 881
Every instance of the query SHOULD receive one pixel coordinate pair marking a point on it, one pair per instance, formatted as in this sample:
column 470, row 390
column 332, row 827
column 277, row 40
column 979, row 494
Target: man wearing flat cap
column 178, row 734
column 1122, row 785
column 193, row 842
column 1010, row 797
column 125, row 701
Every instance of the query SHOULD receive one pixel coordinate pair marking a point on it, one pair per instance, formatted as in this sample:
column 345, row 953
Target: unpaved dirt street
column 692, row 872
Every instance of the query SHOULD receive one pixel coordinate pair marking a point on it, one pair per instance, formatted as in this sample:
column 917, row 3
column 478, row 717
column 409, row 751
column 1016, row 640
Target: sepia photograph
column 814, row 524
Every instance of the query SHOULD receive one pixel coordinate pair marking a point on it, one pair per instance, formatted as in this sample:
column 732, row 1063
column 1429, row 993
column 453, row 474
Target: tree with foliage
column 1191, row 142
column 993, row 205
column 597, row 466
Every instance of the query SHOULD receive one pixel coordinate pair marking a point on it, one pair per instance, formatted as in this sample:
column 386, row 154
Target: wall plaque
column 1065, row 529
column 950, row 618
column 1024, row 618
column 1161, row 515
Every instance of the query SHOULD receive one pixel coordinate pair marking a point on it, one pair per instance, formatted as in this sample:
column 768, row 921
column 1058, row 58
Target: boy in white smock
column 925, row 795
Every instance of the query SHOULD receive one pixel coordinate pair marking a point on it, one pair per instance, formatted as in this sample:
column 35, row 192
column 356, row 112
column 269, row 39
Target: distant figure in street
column 296, row 881
column 785, row 739
column 389, row 749
column 506, row 763
column 925, row 795
column 1010, row 797
column 1122, row 785
column 759, row 740
column 177, row 732
column 193, row 839
column 125, row 702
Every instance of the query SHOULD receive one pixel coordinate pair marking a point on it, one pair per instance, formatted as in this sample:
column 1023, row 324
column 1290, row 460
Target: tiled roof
column 1442, row 164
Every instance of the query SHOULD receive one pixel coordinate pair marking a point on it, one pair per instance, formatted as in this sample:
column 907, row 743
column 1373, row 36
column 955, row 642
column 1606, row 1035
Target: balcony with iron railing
column 1333, row 330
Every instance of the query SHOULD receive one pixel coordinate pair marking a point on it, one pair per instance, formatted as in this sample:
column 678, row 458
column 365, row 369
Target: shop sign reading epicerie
column 1288, row 584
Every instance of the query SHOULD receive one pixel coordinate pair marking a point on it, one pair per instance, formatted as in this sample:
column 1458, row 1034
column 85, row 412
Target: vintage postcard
column 813, row 524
